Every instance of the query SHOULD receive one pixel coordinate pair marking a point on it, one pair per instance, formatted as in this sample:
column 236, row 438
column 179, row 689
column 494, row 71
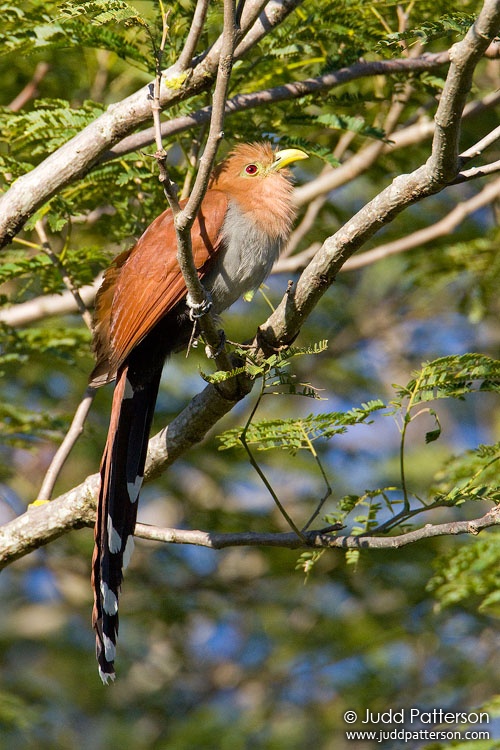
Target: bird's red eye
column 251, row 169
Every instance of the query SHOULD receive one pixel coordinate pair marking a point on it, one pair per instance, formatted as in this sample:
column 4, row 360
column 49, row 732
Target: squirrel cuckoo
column 142, row 315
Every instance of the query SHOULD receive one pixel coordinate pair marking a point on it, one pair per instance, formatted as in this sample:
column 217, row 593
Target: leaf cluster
column 29, row 274
column 296, row 434
column 62, row 343
column 35, row 26
column 449, row 24
column 451, row 377
column 470, row 575
column 46, row 127
column 21, row 427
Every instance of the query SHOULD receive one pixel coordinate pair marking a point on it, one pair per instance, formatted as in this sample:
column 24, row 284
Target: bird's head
column 252, row 162
column 256, row 177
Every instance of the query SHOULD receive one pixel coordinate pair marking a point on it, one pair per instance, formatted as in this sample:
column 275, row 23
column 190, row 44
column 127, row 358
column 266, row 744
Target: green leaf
column 451, row 377
column 297, row 434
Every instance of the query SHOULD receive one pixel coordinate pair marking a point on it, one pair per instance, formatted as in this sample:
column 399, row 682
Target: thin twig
column 66, row 446
column 284, row 92
column 256, row 467
column 184, row 219
column 193, row 36
column 481, row 146
column 192, row 158
column 466, row 175
column 41, row 525
column 47, row 248
column 31, row 89
column 82, row 411
column 317, row 539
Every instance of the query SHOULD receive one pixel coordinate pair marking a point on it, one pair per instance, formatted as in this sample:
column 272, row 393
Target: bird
column 143, row 314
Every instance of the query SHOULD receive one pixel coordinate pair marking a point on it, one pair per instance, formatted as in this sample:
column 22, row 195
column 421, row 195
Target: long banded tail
column 122, row 471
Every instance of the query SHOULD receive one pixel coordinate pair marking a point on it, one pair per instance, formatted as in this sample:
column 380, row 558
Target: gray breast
column 246, row 259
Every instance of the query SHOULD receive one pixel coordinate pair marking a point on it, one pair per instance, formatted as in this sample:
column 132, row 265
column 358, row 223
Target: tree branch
column 317, row 539
column 31, row 89
column 76, row 157
column 407, row 136
column 43, row 524
column 464, row 57
column 184, row 219
column 285, row 92
column 440, row 229
column 405, row 190
column 62, row 453
column 185, row 58
column 48, row 305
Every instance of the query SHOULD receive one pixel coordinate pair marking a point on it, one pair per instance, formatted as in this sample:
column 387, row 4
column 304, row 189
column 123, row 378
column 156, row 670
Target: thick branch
column 75, row 509
column 464, row 57
column 41, row 525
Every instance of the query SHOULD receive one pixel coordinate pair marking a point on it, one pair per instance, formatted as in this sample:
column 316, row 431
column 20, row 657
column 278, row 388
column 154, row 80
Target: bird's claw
column 198, row 309
column 214, row 353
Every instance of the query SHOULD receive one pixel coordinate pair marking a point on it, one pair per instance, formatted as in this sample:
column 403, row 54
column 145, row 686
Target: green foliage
column 450, row 23
column 470, row 268
column 272, row 368
column 23, row 427
column 470, row 575
column 50, row 124
column 37, row 26
column 472, row 475
column 354, row 124
column 36, row 273
column 19, row 346
column 451, row 377
column 296, row 434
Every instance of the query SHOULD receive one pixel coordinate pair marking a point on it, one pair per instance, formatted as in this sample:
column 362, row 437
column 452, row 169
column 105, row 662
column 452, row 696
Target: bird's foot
column 214, row 353
column 198, row 309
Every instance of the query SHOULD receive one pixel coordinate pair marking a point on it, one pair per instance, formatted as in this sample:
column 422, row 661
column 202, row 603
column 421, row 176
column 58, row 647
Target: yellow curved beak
column 287, row 156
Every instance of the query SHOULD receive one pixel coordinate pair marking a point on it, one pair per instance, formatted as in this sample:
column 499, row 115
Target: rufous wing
column 146, row 283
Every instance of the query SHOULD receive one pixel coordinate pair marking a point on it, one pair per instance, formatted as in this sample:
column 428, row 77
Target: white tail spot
column 127, row 552
column 106, row 676
column 134, row 488
column 128, row 391
column 109, row 599
column 114, row 538
column 109, row 648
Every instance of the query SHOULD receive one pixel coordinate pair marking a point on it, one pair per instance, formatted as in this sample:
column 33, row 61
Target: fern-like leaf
column 296, row 434
column 451, row 377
